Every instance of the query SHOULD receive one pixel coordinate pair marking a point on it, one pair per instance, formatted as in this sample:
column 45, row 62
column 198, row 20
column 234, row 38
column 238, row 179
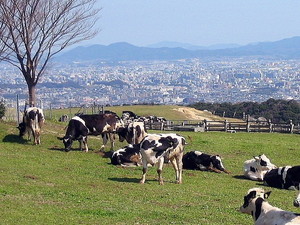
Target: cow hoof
column 142, row 182
column 178, row 182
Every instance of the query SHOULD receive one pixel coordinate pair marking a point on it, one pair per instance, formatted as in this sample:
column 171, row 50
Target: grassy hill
column 45, row 185
column 170, row 112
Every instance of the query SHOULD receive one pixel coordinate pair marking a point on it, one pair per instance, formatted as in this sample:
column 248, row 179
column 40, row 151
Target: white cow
column 263, row 213
column 256, row 168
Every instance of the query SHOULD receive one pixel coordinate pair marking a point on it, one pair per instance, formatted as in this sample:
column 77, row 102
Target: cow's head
column 250, row 199
column 264, row 162
column 22, row 129
column 217, row 162
column 67, row 140
column 125, row 133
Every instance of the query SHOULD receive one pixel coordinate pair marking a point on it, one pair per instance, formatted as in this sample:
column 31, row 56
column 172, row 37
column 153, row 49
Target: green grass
column 44, row 185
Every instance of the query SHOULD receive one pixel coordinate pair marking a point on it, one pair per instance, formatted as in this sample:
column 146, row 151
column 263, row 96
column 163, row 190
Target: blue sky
column 198, row 22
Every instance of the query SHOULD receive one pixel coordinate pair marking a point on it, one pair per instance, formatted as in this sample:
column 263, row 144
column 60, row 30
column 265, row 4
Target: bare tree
column 33, row 31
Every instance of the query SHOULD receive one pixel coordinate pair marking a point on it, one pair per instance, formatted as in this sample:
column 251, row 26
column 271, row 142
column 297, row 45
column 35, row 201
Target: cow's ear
column 267, row 194
column 60, row 138
column 252, row 194
column 256, row 158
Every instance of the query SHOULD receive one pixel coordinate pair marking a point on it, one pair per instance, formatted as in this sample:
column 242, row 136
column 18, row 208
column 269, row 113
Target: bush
column 2, row 109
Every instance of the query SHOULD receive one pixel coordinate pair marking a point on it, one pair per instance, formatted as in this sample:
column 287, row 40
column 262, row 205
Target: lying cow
column 156, row 147
column 256, row 168
column 287, row 177
column 127, row 156
column 263, row 213
column 133, row 133
column 196, row 160
column 33, row 120
column 80, row 127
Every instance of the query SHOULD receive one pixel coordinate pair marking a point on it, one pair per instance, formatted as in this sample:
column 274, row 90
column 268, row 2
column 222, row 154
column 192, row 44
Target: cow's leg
column 173, row 160
column 297, row 199
column 179, row 165
column 84, row 141
column 160, row 165
column 145, row 168
column 33, row 133
column 112, row 138
column 29, row 133
column 105, row 139
column 37, row 137
column 253, row 176
column 214, row 169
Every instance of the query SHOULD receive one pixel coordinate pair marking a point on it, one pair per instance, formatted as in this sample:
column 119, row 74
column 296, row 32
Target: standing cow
column 80, row 127
column 33, row 120
column 156, row 147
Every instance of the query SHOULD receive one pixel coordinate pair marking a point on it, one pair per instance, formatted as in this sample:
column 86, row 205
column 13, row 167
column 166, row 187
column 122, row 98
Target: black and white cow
column 256, row 168
column 133, row 133
column 287, row 177
column 33, row 120
column 196, row 160
column 255, row 204
column 80, row 127
column 156, row 147
column 127, row 156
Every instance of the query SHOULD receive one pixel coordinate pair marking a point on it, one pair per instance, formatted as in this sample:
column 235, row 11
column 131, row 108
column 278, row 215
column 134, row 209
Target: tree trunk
column 32, row 95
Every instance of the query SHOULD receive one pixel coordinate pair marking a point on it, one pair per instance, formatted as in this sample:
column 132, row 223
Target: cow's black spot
column 252, row 169
column 263, row 163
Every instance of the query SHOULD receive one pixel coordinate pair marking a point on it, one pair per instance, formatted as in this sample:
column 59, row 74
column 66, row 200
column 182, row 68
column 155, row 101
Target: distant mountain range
column 170, row 44
column 286, row 49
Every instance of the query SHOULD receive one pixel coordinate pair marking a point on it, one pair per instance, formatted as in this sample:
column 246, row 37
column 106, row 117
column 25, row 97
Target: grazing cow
column 127, row 156
column 33, row 120
column 256, row 168
column 196, row 160
column 156, row 147
column 80, row 127
column 255, row 204
column 133, row 133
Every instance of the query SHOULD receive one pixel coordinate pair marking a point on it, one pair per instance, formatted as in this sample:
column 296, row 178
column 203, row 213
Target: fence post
column 291, row 126
column 248, row 124
column 205, row 125
column 162, row 126
column 18, row 111
column 225, row 125
column 270, row 126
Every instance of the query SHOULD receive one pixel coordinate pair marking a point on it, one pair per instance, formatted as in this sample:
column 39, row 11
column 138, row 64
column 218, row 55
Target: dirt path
column 194, row 114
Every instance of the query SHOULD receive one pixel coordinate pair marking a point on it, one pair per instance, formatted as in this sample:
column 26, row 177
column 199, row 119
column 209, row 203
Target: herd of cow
column 156, row 149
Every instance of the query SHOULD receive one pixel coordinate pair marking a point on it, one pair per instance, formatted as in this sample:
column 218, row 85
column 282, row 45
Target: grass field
column 45, row 185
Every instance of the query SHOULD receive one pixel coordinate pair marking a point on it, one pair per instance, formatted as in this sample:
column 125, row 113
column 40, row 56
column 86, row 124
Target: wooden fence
column 225, row 126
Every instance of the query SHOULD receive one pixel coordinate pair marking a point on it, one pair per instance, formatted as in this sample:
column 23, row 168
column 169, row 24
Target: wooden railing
column 225, row 126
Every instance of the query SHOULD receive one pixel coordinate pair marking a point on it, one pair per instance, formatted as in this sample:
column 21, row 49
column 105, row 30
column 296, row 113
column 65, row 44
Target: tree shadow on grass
column 12, row 138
